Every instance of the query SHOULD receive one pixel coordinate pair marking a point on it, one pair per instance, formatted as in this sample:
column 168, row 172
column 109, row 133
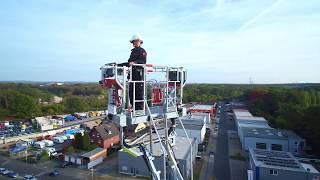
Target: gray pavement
column 238, row 168
column 221, row 165
column 207, row 170
column 41, row 170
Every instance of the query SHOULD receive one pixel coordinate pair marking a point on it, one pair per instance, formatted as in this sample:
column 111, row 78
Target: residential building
column 105, row 135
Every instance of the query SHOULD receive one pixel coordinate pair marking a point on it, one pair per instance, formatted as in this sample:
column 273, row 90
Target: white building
column 44, row 123
column 194, row 131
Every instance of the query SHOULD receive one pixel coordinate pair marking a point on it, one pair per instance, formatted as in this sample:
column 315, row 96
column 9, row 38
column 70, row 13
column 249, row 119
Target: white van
column 58, row 140
column 51, row 151
column 39, row 144
column 48, row 143
column 63, row 137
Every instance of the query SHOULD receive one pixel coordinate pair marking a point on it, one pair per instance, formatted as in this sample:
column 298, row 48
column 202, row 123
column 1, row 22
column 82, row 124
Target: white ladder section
column 149, row 159
column 155, row 172
column 166, row 151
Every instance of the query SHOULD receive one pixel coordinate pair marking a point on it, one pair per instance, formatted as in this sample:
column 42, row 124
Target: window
column 273, row 172
column 261, row 145
column 124, row 168
column 276, row 147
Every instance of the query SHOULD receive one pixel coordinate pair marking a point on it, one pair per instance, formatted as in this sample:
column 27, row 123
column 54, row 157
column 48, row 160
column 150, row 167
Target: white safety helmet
column 136, row 37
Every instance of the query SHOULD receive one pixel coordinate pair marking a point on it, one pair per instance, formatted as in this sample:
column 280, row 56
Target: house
column 91, row 124
column 275, row 165
column 105, row 135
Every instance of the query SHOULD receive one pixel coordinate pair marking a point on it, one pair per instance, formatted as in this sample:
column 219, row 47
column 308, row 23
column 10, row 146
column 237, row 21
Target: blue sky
column 219, row 41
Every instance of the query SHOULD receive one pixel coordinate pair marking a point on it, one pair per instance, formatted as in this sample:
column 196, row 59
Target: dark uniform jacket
column 138, row 56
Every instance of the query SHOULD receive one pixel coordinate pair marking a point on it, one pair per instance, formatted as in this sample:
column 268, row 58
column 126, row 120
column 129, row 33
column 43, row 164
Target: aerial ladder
column 164, row 104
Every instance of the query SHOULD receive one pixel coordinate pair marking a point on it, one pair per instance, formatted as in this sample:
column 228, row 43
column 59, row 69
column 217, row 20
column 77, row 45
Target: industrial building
column 136, row 166
column 203, row 109
column 275, row 165
column 205, row 116
column 193, row 130
column 255, row 132
column 87, row 160
column 198, row 119
column 271, row 139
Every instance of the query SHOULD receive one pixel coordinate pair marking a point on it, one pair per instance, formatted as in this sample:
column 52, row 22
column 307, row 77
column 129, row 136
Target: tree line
column 22, row 100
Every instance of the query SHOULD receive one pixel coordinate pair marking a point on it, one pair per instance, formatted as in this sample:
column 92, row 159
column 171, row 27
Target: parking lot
column 42, row 169
column 15, row 129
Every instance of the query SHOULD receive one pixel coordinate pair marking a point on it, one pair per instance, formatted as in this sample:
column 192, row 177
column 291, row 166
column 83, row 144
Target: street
column 221, row 164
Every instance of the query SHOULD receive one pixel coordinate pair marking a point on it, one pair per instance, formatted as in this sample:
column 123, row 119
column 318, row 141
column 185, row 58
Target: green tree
column 78, row 141
column 70, row 149
column 85, row 141
column 76, row 104
column 44, row 155
column 23, row 106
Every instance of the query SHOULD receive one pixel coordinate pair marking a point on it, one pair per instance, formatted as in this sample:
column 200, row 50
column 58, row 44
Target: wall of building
column 294, row 146
column 136, row 165
column 111, row 141
column 192, row 133
column 250, row 142
column 264, row 174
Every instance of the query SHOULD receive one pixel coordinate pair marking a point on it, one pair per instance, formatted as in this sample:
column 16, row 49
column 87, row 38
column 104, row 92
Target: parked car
column 211, row 154
column 13, row 174
column 54, row 173
column 2, row 170
column 5, row 172
column 30, row 177
column 66, row 164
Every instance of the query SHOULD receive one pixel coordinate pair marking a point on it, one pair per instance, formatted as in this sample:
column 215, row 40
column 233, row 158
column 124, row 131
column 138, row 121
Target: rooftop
column 266, row 133
column 291, row 134
column 275, row 160
column 107, row 130
column 190, row 126
column 309, row 168
column 253, row 125
column 191, row 121
column 203, row 107
column 93, row 152
column 180, row 149
column 200, row 115
column 242, row 113
column 251, row 118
